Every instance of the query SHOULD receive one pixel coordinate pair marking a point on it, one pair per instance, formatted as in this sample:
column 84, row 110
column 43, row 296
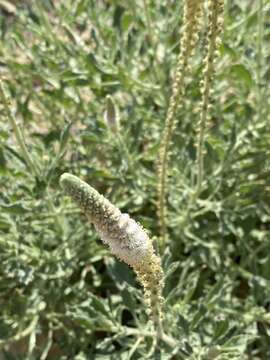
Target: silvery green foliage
column 126, row 239
column 59, row 60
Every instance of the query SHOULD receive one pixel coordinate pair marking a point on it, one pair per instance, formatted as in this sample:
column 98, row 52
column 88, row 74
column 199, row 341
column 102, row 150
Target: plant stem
column 165, row 338
column 260, row 20
column 57, row 220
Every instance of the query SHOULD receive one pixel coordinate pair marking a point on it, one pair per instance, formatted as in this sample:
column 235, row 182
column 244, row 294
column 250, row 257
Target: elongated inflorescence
column 126, row 239
column 215, row 23
column 189, row 38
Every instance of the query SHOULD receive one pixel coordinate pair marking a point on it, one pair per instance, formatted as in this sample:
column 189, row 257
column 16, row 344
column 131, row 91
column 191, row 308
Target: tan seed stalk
column 215, row 22
column 189, row 38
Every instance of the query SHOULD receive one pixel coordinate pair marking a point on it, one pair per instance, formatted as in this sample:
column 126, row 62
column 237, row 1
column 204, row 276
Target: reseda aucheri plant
column 126, row 239
column 38, row 274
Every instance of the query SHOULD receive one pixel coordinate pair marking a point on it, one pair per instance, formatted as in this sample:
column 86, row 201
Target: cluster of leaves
column 62, row 295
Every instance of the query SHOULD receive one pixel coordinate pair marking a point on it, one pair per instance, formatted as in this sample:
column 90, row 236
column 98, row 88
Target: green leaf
column 64, row 137
column 15, row 208
column 241, row 73
column 120, row 273
column 221, row 327
column 198, row 316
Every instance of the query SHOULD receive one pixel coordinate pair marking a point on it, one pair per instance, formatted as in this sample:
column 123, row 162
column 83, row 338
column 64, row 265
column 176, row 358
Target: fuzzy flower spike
column 126, row 239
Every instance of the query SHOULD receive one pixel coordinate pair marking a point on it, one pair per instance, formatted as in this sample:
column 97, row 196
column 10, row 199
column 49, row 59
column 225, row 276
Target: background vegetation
column 62, row 295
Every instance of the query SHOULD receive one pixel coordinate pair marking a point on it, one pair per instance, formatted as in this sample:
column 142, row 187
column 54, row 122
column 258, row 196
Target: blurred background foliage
column 62, row 295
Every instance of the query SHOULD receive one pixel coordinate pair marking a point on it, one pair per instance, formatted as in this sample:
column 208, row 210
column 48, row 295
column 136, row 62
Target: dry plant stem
column 215, row 9
column 192, row 15
column 17, row 132
column 126, row 239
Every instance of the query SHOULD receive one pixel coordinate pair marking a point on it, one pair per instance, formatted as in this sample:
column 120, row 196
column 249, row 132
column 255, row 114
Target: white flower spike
column 126, row 239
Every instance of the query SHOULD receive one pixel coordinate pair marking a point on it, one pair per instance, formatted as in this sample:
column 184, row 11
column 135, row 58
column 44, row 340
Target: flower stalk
column 215, row 23
column 189, row 39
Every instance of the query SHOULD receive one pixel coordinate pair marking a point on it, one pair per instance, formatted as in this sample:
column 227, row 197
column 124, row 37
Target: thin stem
column 165, row 338
column 203, row 122
column 48, row 345
column 57, row 220
column 123, row 146
column 260, row 20
column 17, row 131
column 158, row 324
